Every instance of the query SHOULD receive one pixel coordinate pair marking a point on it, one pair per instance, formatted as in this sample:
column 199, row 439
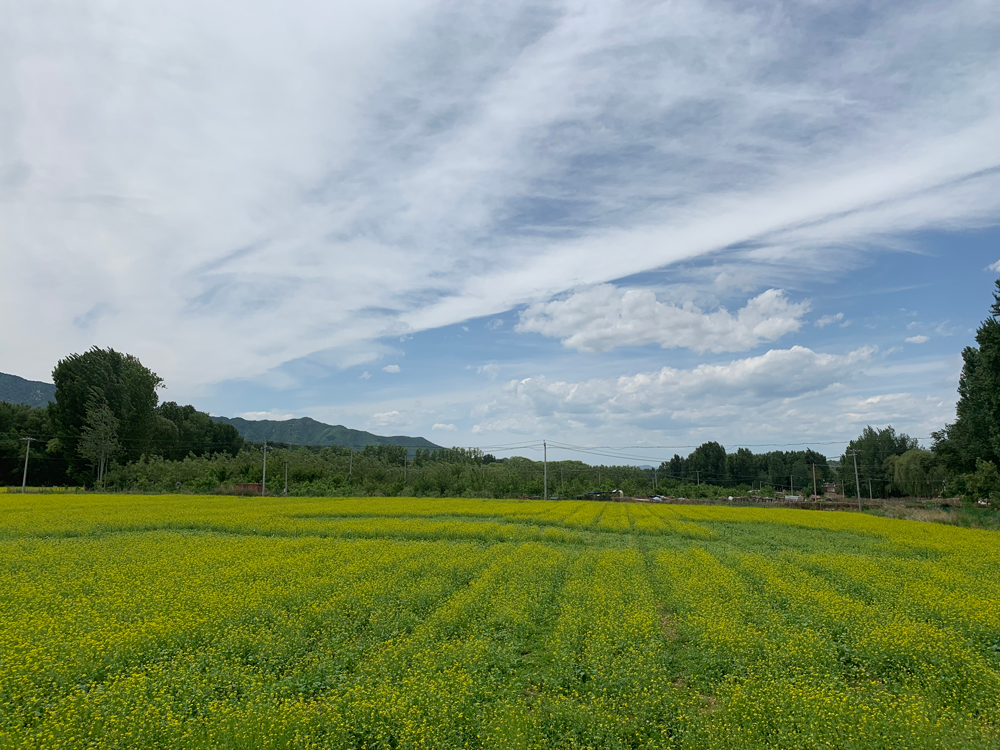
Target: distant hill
column 16, row 390
column 306, row 431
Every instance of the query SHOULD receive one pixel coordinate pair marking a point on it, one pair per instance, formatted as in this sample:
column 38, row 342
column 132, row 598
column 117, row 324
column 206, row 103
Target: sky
column 627, row 227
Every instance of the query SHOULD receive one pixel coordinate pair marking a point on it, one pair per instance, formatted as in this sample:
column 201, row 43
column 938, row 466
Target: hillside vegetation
column 17, row 390
column 306, row 431
column 188, row 622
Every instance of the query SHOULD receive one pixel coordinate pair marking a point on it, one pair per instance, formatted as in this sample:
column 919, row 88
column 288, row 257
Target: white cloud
column 192, row 191
column 490, row 370
column 366, row 375
column 495, row 324
column 707, row 392
column 386, row 418
column 274, row 414
column 602, row 318
column 925, row 413
column 829, row 319
column 444, row 427
column 917, row 339
column 390, row 368
column 994, row 267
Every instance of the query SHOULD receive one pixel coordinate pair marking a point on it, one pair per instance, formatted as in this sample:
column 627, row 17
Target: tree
column 917, row 473
column 984, row 482
column 99, row 440
column 741, row 466
column 48, row 464
column 874, row 447
column 975, row 434
column 126, row 387
column 707, row 463
column 183, row 430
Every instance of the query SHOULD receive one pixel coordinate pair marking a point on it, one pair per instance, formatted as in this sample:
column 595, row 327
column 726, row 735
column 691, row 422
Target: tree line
column 107, row 428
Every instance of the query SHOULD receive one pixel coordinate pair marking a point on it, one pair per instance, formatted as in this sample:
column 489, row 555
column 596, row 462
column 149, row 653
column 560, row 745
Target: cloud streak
column 185, row 198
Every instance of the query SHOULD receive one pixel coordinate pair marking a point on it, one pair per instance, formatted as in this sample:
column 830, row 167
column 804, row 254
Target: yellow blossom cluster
column 236, row 622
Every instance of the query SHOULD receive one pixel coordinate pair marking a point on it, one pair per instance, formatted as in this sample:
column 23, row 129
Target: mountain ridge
column 17, row 390
column 308, row 431
column 302, row 431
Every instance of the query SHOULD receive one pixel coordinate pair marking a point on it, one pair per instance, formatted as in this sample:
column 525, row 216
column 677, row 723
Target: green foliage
column 16, row 390
column 707, row 462
column 916, row 473
column 875, row 447
column 710, row 464
column 306, row 431
column 48, row 462
column 183, row 430
column 975, row 434
column 99, row 439
column 128, row 389
column 984, row 482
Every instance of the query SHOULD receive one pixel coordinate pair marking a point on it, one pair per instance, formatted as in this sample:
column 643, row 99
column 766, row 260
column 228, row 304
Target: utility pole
column 27, row 450
column 545, row 471
column 406, row 460
column 697, row 475
column 857, row 480
column 791, row 484
column 263, row 482
column 562, row 482
column 654, row 481
column 815, row 488
column 286, row 478
column 870, row 489
column 350, row 464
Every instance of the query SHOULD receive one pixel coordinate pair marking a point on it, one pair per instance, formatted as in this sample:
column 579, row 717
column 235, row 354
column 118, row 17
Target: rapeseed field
column 222, row 622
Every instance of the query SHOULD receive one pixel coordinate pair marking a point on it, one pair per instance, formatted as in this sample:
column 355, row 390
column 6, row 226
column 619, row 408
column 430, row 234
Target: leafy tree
column 741, row 467
column 984, row 482
column 875, row 447
column 125, row 386
column 183, row 430
column 99, row 440
column 917, row 473
column 707, row 463
column 975, row 434
column 48, row 464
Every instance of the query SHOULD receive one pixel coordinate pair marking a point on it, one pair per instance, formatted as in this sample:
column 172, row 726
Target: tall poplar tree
column 975, row 434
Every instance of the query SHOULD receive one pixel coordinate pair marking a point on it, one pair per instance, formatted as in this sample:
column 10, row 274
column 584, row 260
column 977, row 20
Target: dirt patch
column 668, row 624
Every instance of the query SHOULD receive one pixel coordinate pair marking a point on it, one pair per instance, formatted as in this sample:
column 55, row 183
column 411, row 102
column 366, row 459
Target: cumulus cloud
column 917, row 339
column 495, row 324
column 603, row 317
column 366, row 375
column 444, row 427
column 994, row 267
column 828, row 320
column 390, row 368
column 704, row 392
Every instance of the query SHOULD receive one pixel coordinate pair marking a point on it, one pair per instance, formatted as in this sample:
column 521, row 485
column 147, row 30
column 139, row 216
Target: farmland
column 192, row 621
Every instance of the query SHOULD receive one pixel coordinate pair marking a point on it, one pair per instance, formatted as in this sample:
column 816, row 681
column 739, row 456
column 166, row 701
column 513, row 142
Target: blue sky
column 609, row 223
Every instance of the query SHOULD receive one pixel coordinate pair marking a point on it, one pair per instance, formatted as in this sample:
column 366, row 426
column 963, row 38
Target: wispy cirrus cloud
column 466, row 160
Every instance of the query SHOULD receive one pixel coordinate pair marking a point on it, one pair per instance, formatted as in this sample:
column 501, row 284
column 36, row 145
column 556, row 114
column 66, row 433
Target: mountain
column 15, row 390
column 306, row 431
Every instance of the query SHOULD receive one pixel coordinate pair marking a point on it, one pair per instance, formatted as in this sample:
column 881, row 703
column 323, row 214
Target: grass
column 195, row 621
